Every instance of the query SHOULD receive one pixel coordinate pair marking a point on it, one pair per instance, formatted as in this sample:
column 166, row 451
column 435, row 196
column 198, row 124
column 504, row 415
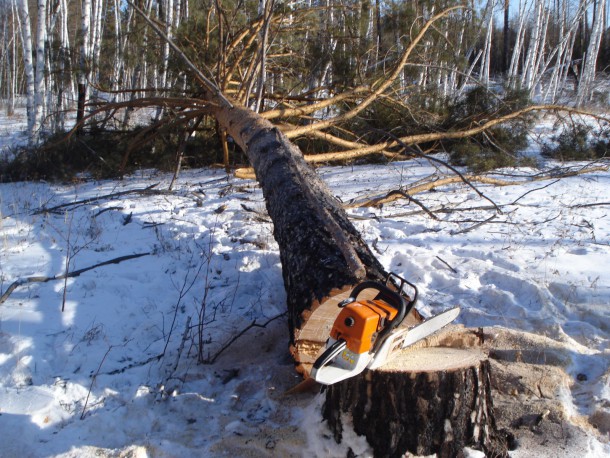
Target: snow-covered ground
column 116, row 373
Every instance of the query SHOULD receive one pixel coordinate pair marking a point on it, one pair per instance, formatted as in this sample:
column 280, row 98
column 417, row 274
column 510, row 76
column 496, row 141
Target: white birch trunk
column 118, row 57
column 39, row 82
column 96, row 43
column 585, row 86
column 26, row 40
column 513, row 71
column 16, row 25
column 85, row 59
column 486, row 56
column 563, row 49
column 534, row 45
column 169, row 19
column 13, row 69
column 4, row 56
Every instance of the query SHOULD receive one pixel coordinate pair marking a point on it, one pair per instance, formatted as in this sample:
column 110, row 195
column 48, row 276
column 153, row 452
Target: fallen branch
column 474, row 226
column 596, row 204
column 230, row 342
column 371, row 201
column 447, row 264
column 137, row 364
column 146, row 191
column 415, row 201
column 75, row 273
column 82, row 415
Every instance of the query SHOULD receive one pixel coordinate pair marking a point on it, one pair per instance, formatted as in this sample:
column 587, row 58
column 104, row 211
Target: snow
column 112, row 375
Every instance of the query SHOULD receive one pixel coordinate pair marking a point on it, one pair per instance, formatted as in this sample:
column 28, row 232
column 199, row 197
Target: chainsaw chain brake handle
column 398, row 282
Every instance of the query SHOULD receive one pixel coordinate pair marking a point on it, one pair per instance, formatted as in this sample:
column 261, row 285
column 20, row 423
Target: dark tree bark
column 80, row 106
column 321, row 251
column 434, row 400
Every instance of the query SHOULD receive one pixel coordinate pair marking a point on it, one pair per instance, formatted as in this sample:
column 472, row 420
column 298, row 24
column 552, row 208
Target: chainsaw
column 366, row 332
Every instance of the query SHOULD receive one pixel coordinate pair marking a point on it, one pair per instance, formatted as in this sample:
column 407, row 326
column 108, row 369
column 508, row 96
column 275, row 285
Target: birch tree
column 587, row 77
column 39, row 82
column 84, row 60
column 30, row 86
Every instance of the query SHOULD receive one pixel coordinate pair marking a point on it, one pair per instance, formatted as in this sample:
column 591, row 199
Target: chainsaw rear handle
column 393, row 298
column 399, row 284
column 329, row 354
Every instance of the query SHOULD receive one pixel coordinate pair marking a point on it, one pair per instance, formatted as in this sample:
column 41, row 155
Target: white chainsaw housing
column 344, row 365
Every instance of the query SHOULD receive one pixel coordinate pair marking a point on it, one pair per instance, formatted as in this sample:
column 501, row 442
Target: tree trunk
column 321, row 251
column 585, row 88
column 26, row 40
column 434, row 401
column 425, row 401
column 84, row 62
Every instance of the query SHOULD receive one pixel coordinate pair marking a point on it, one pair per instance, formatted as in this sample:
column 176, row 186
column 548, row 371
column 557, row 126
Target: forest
column 297, row 63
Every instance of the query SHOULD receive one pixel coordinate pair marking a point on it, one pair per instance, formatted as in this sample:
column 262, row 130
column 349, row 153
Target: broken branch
column 75, row 273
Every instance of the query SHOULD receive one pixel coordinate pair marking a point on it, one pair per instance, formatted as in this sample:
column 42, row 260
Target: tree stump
column 424, row 401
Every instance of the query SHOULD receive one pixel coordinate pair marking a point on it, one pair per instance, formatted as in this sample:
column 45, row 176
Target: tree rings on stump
column 424, row 401
column 310, row 339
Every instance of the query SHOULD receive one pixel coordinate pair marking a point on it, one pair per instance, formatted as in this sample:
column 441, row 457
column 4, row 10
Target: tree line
column 62, row 55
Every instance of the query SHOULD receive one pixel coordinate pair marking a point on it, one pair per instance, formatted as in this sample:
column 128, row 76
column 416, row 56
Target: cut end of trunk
column 310, row 339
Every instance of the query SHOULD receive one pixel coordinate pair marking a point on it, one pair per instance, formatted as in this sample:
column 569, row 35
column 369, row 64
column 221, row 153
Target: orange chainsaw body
column 359, row 322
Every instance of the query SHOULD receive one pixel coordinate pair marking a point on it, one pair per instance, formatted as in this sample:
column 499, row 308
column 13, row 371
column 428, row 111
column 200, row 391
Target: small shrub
column 579, row 142
column 499, row 146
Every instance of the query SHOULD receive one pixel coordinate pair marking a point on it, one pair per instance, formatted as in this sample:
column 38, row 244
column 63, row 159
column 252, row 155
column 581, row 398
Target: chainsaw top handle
column 392, row 298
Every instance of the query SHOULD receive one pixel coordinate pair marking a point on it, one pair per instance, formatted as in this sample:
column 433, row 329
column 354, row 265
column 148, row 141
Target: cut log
column 322, row 253
column 426, row 401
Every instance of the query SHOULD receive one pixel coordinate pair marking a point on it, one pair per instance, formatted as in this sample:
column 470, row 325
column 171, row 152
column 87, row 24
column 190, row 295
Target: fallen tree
column 323, row 257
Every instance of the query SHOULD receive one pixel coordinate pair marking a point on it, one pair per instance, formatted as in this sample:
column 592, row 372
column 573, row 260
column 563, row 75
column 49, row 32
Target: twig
column 254, row 324
column 181, row 347
column 474, row 226
column 107, row 209
column 415, row 201
column 596, row 204
column 138, row 364
column 82, row 415
column 75, row 273
column 447, row 264
column 148, row 190
column 532, row 190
